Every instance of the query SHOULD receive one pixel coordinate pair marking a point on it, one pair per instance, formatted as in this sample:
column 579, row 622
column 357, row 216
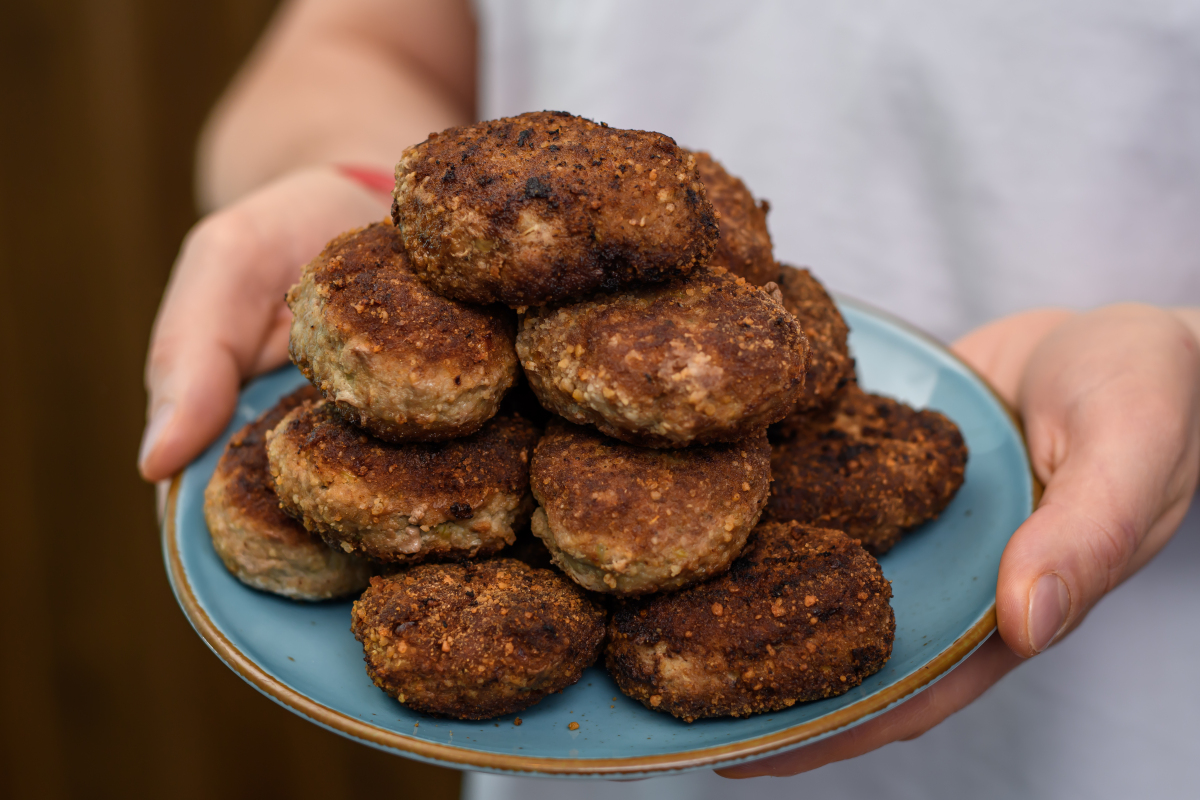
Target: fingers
column 1111, row 401
column 1000, row 350
column 907, row 721
column 275, row 343
column 223, row 318
column 193, row 396
column 208, row 334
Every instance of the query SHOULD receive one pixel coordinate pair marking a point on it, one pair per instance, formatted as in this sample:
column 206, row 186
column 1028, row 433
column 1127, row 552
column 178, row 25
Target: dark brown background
column 104, row 688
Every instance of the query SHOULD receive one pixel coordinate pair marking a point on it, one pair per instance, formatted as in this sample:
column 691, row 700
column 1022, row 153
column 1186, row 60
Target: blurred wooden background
column 104, row 688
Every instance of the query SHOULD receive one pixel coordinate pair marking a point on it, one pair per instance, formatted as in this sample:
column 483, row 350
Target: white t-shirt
column 952, row 162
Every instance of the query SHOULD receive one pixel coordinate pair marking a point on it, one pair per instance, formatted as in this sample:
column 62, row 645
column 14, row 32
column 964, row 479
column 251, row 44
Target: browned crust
column 830, row 366
column 257, row 542
column 803, row 614
column 374, row 294
column 429, row 484
column 745, row 244
column 634, row 519
column 868, row 465
column 391, row 331
column 547, row 206
column 445, row 473
column 476, row 640
column 246, row 479
column 708, row 358
column 939, row 664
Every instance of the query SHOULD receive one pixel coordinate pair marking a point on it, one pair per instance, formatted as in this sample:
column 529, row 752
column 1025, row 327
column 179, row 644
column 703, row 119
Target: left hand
column 1111, row 405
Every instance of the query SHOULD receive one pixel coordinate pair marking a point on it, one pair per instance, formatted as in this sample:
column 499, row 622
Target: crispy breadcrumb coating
column 546, row 206
column 745, row 244
column 830, row 366
column 476, row 640
column 868, row 465
column 629, row 520
column 403, row 503
column 396, row 359
column 261, row 545
column 708, row 358
column 802, row 615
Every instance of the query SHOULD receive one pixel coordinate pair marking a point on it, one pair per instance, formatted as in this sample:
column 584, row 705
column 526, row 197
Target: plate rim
column 450, row 755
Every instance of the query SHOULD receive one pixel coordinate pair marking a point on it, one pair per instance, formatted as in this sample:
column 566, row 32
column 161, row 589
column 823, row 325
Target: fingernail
column 161, row 490
column 1049, row 604
column 158, row 422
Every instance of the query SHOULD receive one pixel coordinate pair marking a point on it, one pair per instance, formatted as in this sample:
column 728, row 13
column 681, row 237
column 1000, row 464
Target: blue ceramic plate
column 943, row 577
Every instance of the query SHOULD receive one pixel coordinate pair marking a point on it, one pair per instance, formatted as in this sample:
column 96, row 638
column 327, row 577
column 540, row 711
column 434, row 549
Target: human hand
column 1111, row 405
column 223, row 318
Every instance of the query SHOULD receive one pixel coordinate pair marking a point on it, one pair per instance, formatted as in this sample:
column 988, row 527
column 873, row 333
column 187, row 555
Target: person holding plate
column 1021, row 178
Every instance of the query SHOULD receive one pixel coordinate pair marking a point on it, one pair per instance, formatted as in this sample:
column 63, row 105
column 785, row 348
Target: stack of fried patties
column 548, row 253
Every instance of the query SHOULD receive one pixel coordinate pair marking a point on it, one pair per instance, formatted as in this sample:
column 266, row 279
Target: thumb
column 1110, row 405
column 212, row 323
column 223, row 318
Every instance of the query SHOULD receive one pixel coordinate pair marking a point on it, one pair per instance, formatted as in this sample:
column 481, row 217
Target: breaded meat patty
column 548, row 206
column 262, row 546
column 403, row 502
column 630, row 520
column 708, row 358
column 803, row 614
column 869, row 465
column 392, row 356
column 830, row 366
column 745, row 245
column 476, row 640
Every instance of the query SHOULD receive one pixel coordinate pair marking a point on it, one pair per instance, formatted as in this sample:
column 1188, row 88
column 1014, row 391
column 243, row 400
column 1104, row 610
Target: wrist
column 374, row 179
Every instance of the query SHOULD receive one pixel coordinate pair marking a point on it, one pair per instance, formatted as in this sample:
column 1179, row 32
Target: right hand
column 1111, row 405
column 223, row 318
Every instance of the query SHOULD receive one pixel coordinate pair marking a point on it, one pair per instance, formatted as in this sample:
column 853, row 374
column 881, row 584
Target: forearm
column 349, row 81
